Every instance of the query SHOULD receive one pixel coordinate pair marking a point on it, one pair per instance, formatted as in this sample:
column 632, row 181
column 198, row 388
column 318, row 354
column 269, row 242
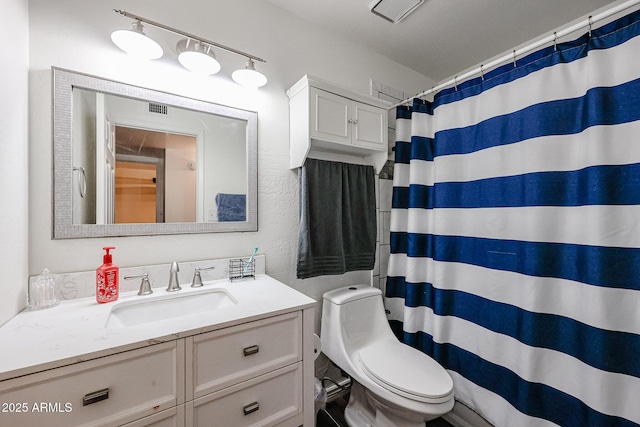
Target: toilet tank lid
column 351, row 293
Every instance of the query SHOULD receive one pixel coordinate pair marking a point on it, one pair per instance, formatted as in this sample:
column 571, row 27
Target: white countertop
column 75, row 331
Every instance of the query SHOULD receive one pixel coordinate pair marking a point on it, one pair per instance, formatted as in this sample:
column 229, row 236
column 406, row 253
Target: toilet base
column 364, row 410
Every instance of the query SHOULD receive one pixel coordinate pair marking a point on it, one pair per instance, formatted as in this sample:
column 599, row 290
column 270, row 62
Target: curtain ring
column 590, row 25
column 455, row 82
column 482, row 71
column 514, row 59
column 555, row 41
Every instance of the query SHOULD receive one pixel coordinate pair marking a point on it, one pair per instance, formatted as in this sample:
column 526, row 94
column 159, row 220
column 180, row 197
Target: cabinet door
column 108, row 391
column 329, row 117
column 370, row 126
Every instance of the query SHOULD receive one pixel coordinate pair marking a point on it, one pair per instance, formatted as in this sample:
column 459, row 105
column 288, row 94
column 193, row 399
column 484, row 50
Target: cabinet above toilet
column 333, row 123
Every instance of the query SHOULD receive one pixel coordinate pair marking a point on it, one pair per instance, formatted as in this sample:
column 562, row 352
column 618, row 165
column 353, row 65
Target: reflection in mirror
column 132, row 161
column 145, row 161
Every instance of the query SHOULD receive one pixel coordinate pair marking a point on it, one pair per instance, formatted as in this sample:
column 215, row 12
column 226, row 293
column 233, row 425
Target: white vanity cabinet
column 108, row 391
column 249, row 374
column 248, row 364
column 334, row 123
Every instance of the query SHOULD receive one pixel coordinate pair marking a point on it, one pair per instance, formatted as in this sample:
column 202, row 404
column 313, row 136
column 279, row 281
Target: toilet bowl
column 393, row 383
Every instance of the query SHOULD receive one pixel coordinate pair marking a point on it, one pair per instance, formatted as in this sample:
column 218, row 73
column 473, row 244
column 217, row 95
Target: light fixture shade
column 394, row 10
column 249, row 77
column 196, row 57
column 136, row 43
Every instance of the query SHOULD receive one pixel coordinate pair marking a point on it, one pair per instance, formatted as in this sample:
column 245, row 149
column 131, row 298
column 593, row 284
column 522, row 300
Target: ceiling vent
column 394, row 10
column 158, row 108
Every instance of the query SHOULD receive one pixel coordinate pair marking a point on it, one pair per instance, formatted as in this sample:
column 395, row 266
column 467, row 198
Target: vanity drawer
column 231, row 355
column 268, row 400
column 107, row 391
column 173, row 417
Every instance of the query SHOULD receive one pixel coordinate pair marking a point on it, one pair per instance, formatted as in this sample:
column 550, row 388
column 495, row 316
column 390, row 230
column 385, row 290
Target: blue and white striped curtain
column 515, row 234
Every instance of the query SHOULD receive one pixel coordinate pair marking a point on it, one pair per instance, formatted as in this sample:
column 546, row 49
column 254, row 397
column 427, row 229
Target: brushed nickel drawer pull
column 248, row 351
column 95, row 396
column 251, row 407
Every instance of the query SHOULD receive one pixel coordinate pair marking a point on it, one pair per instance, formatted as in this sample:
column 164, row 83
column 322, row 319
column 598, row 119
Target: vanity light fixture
column 249, row 77
column 194, row 53
column 197, row 57
column 136, row 43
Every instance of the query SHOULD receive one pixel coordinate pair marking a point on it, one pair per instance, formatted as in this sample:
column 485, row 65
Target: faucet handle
column 145, row 285
column 197, row 278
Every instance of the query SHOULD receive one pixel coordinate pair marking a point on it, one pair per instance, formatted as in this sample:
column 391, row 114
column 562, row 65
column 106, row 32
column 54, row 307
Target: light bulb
column 197, row 58
column 249, row 77
column 135, row 43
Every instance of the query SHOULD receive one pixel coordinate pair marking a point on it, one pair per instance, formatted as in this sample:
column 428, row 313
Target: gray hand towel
column 337, row 218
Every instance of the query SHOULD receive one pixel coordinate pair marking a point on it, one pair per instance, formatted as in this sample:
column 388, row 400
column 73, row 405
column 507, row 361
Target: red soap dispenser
column 107, row 279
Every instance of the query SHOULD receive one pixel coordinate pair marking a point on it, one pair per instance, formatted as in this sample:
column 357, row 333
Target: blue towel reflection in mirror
column 231, row 207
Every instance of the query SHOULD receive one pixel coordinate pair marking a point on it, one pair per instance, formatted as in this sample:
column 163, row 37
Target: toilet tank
column 352, row 317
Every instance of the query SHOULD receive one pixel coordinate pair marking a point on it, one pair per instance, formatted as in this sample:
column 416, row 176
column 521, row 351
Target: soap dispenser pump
column 107, row 287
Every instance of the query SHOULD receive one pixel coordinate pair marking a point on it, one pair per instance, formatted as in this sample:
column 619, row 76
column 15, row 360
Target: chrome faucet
column 174, row 283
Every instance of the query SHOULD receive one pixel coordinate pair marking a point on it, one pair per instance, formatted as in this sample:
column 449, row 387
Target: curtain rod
column 516, row 52
column 187, row 35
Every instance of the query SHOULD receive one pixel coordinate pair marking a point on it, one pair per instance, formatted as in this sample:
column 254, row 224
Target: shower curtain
column 515, row 234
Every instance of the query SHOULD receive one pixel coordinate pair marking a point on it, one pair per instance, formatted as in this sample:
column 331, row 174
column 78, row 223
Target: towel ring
column 82, row 180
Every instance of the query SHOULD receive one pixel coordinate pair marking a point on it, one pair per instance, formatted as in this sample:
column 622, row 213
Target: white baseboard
column 462, row 416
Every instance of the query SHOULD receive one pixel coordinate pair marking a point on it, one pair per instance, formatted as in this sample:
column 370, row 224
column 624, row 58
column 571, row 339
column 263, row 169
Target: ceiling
column 444, row 37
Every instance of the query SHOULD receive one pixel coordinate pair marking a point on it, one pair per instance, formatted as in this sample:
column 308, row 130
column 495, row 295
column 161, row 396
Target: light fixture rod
column 187, row 35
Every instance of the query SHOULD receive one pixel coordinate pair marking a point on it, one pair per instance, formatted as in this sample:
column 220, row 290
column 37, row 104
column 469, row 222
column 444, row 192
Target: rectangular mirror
column 132, row 161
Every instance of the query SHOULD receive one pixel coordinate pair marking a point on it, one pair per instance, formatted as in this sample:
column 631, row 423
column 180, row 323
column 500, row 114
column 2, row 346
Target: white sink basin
column 153, row 309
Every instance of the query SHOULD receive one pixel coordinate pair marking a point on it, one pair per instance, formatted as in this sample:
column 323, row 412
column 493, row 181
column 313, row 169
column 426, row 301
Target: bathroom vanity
column 245, row 360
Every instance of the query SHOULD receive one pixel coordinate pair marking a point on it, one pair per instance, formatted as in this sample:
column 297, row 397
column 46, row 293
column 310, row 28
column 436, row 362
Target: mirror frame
column 63, row 82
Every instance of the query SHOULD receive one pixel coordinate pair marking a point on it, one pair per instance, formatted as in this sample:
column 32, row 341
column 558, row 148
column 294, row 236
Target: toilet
column 394, row 385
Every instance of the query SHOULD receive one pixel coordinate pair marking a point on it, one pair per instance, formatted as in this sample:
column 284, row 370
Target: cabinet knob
column 251, row 407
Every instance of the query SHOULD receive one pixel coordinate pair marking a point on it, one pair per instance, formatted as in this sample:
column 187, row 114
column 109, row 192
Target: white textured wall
column 14, row 43
column 74, row 34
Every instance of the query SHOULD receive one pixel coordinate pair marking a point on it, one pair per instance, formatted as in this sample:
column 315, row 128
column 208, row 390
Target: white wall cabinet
column 250, row 374
column 339, row 120
column 333, row 123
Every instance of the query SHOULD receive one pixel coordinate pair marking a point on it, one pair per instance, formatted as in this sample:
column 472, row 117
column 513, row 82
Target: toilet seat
column 406, row 371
